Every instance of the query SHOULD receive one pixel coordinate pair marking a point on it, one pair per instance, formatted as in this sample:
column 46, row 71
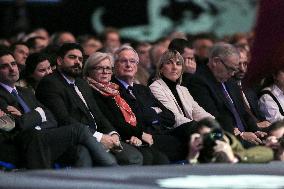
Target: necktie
column 19, row 99
column 130, row 91
column 247, row 108
column 83, row 100
column 236, row 115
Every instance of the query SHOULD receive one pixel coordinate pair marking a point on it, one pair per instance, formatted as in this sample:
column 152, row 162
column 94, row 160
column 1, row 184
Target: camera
column 209, row 141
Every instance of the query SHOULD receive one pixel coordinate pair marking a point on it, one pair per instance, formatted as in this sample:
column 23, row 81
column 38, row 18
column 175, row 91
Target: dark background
column 71, row 15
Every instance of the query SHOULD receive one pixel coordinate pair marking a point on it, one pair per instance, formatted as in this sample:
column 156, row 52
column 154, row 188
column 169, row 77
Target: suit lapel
column 72, row 93
column 8, row 99
column 216, row 88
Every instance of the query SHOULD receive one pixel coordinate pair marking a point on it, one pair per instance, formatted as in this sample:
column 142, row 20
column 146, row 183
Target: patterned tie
column 130, row 91
column 247, row 108
column 238, row 120
column 19, row 99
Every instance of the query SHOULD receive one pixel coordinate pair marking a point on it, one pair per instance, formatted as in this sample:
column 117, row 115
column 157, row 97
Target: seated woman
column 271, row 101
column 98, row 71
column 167, row 89
column 37, row 66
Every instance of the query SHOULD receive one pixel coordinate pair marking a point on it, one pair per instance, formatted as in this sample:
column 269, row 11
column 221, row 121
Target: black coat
column 142, row 106
column 61, row 98
column 109, row 108
column 208, row 92
column 27, row 120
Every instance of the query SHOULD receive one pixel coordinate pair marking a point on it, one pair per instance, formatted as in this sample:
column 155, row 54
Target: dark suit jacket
column 109, row 107
column 61, row 98
column 142, row 107
column 27, row 120
column 207, row 91
column 251, row 97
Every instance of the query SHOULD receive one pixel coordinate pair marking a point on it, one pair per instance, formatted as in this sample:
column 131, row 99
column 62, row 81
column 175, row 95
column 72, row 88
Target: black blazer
column 26, row 120
column 208, row 92
column 109, row 107
column 61, row 98
column 251, row 97
column 142, row 107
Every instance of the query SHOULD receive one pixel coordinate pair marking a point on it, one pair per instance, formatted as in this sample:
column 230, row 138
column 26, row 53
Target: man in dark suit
column 71, row 100
column 209, row 89
column 156, row 119
column 35, row 135
column 248, row 96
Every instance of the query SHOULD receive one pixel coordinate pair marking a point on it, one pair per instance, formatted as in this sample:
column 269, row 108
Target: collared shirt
column 97, row 135
column 68, row 80
column 125, row 85
column 269, row 107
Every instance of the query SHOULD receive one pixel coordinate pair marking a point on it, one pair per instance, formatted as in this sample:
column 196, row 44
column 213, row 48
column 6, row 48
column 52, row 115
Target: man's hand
column 260, row 134
column 263, row 124
column 147, row 138
column 115, row 138
column 195, row 143
column 13, row 111
column 224, row 152
column 108, row 141
column 134, row 141
column 251, row 137
column 272, row 142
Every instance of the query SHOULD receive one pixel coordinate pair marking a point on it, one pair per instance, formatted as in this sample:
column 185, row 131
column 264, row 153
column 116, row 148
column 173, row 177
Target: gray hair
column 166, row 57
column 123, row 48
column 223, row 50
column 95, row 59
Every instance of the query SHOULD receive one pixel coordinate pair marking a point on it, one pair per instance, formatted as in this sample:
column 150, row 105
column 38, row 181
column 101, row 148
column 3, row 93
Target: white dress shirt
column 269, row 107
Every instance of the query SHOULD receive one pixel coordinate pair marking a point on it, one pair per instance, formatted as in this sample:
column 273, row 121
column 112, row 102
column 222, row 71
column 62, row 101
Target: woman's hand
column 134, row 141
column 147, row 138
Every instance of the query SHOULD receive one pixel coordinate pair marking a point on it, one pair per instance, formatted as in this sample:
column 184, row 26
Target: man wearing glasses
column 209, row 89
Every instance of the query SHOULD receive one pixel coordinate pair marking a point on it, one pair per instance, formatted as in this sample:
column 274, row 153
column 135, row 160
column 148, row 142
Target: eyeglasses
column 101, row 69
column 125, row 61
column 228, row 68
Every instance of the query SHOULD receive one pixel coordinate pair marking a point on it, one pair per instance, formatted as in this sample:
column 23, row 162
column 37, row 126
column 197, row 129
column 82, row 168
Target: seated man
column 209, row 89
column 248, row 96
column 71, row 100
column 154, row 117
column 35, row 135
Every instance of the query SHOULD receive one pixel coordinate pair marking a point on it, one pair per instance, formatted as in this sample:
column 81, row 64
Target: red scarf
column 111, row 89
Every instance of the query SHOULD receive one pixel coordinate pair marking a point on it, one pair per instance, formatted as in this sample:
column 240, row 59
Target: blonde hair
column 165, row 58
column 95, row 59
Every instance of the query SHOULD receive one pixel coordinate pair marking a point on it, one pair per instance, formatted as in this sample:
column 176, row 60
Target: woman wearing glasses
column 98, row 71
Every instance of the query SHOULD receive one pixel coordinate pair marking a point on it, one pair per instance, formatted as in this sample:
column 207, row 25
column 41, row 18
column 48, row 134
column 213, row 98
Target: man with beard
column 71, row 100
column 32, row 139
column 248, row 95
